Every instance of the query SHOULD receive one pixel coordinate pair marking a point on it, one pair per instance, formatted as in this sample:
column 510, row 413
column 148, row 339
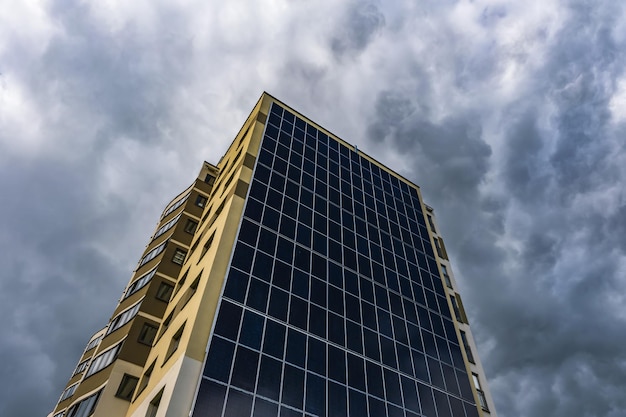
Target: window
column 140, row 282
column 181, row 282
column 69, row 391
column 438, row 247
column 446, row 276
column 207, row 246
column 124, row 317
column 174, row 343
column 201, row 200
column 164, row 292
column 466, row 346
column 153, row 407
column 145, row 378
column 179, row 256
column 209, row 179
column 431, row 223
column 166, row 323
column 81, row 367
column 176, row 205
column 167, row 226
column 190, row 227
column 441, row 248
column 455, row 306
column 95, row 342
column 127, row 387
column 147, row 334
column 104, row 359
column 220, row 208
column 153, row 254
column 190, row 291
column 227, row 182
column 84, row 408
column 459, row 311
column 480, row 392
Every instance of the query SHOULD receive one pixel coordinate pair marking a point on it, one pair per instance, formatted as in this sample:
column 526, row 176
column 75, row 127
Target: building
column 297, row 277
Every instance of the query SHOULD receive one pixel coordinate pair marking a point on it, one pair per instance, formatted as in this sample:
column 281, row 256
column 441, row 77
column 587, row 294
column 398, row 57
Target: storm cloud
column 510, row 116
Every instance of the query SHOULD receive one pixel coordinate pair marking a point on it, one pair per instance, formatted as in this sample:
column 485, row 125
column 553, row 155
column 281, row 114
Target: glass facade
column 333, row 305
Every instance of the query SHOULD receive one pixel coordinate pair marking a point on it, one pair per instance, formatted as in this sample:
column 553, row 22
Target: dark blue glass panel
column 236, row 285
column 335, row 300
column 384, row 323
column 464, row 385
column 426, row 400
column 392, row 387
column 274, row 342
column 374, row 379
column 404, row 359
column 219, row 359
column 228, row 320
column 248, row 232
column 409, row 394
column 470, row 410
column 279, row 304
column 394, row 411
column 356, row 372
column 251, row 330
column 258, row 294
column 244, row 369
column 317, row 321
column 296, row 348
column 419, row 366
column 337, row 401
column 242, row 258
column 450, row 379
column 263, row 267
column 316, row 361
column 372, row 349
column 238, row 404
column 436, row 377
column 354, row 341
column 315, row 395
column 457, row 407
column 400, row 330
column 270, row 373
column 388, row 352
column 377, row 407
column 336, row 364
column 336, row 330
column 357, row 403
column 443, row 408
column 264, row 408
column 298, row 313
column 300, row 284
column 444, row 353
column 293, row 386
column 210, row 400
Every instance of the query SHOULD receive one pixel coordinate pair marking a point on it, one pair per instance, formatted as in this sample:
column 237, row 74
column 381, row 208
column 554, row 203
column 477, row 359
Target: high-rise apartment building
column 297, row 277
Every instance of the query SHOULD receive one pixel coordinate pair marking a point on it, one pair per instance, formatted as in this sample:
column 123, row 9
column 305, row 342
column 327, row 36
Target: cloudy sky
column 510, row 115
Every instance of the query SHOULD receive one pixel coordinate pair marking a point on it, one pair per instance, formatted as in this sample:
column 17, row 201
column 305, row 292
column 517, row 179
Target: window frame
column 179, row 256
column 104, row 359
column 125, row 383
column 144, row 330
column 164, row 288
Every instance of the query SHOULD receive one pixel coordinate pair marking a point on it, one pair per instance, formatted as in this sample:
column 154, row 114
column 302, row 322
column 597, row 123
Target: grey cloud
column 525, row 173
column 55, row 287
column 538, row 260
column 357, row 29
column 525, row 242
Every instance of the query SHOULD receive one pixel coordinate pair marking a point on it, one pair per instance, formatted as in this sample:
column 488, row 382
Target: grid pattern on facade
column 333, row 305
